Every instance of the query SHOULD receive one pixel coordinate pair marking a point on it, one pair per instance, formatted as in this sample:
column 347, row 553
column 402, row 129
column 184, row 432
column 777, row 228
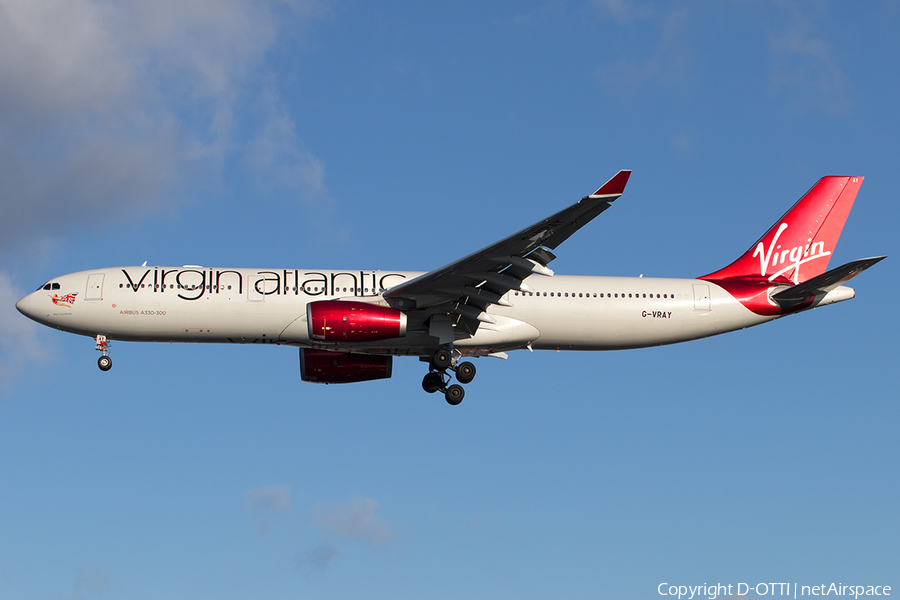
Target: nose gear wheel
column 104, row 362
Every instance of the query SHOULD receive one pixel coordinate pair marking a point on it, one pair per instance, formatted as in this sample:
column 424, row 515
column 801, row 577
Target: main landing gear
column 437, row 378
column 104, row 362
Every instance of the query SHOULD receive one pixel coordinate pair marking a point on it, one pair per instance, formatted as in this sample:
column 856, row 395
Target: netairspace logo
column 713, row 591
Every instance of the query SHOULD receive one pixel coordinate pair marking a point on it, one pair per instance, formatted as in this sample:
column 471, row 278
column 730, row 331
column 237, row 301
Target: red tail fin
column 799, row 246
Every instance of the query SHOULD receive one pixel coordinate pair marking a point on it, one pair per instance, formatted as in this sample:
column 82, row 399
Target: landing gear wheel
column 441, row 359
column 454, row 394
column 105, row 362
column 432, row 382
column 465, row 372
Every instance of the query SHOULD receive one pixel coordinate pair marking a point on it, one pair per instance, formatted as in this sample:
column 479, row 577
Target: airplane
column 349, row 324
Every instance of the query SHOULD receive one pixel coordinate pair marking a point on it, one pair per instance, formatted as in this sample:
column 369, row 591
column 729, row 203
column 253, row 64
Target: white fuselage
column 197, row 304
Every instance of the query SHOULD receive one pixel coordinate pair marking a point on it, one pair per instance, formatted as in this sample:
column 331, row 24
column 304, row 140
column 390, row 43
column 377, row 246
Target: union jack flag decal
column 67, row 300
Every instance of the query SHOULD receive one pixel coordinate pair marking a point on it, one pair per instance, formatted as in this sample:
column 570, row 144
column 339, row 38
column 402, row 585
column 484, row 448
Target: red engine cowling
column 324, row 366
column 340, row 321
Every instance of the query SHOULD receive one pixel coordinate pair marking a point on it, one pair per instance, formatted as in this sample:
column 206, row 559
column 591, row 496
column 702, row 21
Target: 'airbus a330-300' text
column 350, row 324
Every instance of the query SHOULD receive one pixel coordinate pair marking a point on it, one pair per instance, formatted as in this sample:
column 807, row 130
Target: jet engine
column 345, row 321
column 324, row 366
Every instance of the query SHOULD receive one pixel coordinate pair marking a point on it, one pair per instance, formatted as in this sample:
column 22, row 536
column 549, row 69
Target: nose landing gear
column 104, row 362
column 437, row 378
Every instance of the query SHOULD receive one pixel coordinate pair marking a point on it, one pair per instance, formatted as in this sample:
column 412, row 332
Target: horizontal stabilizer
column 824, row 283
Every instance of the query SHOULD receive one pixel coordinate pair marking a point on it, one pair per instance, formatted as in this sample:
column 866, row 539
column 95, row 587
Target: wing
column 471, row 284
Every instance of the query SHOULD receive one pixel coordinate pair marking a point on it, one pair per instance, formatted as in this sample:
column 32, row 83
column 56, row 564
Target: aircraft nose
column 26, row 306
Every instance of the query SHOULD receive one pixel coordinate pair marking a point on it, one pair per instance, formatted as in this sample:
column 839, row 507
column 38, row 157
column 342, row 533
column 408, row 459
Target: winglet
column 613, row 187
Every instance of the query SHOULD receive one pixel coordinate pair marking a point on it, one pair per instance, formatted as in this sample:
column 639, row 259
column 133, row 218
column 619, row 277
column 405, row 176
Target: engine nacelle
column 324, row 366
column 344, row 321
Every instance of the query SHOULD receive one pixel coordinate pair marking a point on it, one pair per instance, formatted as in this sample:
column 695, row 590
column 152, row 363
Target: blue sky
column 351, row 135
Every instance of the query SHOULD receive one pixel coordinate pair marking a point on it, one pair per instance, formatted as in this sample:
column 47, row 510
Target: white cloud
column 58, row 57
column 668, row 61
column 624, row 11
column 354, row 520
column 265, row 504
column 89, row 581
column 18, row 335
column 805, row 66
column 106, row 108
column 214, row 42
column 319, row 557
column 276, row 153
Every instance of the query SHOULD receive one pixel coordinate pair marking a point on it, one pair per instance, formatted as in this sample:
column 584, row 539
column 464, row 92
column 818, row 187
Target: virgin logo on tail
column 815, row 223
column 796, row 256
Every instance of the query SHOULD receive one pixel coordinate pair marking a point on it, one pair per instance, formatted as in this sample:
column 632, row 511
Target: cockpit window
column 49, row 286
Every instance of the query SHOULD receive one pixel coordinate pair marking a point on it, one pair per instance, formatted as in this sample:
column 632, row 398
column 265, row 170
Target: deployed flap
column 824, row 283
column 501, row 267
column 441, row 327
